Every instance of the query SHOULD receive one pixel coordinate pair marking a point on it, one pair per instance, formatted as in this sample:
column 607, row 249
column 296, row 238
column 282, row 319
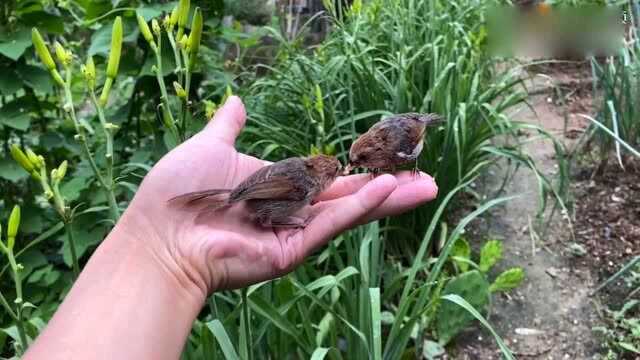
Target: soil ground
column 552, row 314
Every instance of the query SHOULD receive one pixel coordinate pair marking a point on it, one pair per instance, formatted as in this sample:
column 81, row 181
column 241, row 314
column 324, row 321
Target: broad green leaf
column 462, row 250
column 71, row 189
column 83, row 240
column 36, row 78
column 490, row 254
column 8, row 83
column 508, row 280
column 150, row 11
column 13, row 45
column 451, row 319
column 15, row 114
column 468, row 307
column 10, row 170
column 101, row 39
column 44, row 21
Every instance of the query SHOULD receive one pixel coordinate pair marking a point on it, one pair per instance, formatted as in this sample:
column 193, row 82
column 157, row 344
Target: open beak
column 347, row 170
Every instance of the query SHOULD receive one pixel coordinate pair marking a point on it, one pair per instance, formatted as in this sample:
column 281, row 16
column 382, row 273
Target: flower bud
column 210, row 108
column 166, row 22
column 62, row 169
column 183, row 43
column 194, row 37
column 173, row 19
column 14, row 224
column 116, row 48
column 22, row 159
column 63, row 56
column 48, row 194
column 41, row 50
column 183, row 12
column 144, row 29
column 179, row 90
column 33, row 158
column 104, row 97
column 89, row 72
column 319, row 101
column 41, row 162
column 156, row 27
column 54, row 175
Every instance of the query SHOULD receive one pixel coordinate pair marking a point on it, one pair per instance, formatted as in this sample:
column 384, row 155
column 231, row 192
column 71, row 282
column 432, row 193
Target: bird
column 274, row 193
column 392, row 142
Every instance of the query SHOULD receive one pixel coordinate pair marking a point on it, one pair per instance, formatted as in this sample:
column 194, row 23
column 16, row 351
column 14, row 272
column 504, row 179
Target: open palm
column 225, row 250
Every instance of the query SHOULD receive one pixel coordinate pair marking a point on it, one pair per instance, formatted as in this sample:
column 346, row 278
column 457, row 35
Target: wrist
column 135, row 235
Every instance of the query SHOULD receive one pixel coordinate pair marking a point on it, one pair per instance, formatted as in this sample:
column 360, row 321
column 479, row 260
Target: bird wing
column 270, row 182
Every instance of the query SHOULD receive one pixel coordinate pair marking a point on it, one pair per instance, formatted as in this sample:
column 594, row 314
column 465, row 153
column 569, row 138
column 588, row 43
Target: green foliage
column 508, row 280
column 622, row 331
column 490, row 254
column 450, row 318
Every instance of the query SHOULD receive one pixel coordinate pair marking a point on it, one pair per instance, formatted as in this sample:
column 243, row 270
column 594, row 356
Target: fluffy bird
column 274, row 193
column 392, row 142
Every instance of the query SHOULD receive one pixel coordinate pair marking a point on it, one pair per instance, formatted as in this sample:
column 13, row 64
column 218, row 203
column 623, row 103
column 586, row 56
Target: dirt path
column 551, row 315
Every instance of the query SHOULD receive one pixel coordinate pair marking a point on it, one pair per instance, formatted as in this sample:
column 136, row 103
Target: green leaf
column 490, row 254
column 223, row 340
column 8, row 83
column 462, row 250
column 15, row 114
column 14, row 45
column 10, row 170
column 101, row 39
column 508, row 280
column 83, row 238
column 36, row 78
column 71, row 189
column 44, row 21
column 450, row 319
column 469, row 308
column 150, row 11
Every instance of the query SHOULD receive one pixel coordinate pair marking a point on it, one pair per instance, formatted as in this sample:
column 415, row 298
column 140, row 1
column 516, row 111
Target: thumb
column 228, row 121
column 344, row 213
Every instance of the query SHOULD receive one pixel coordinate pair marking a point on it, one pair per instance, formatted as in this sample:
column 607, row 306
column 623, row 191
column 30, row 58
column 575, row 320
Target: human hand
column 226, row 251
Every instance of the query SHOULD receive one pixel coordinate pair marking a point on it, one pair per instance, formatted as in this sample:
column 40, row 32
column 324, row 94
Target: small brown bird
column 394, row 141
column 276, row 192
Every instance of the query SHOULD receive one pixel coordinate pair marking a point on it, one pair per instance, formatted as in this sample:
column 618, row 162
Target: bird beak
column 347, row 170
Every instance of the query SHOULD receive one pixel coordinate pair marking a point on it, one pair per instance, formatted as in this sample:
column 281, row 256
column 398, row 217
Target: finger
column 228, row 121
column 403, row 199
column 341, row 214
column 347, row 185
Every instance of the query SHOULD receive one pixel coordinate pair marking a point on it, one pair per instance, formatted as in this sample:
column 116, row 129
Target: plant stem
column 163, row 90
column 18, row 283
column 109, row 183
column 176, row 54
column 7, row 307
column 72, row 248
column 85, row 147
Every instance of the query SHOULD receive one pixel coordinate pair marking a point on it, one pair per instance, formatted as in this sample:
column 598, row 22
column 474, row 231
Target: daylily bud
column 173, row 19
column 89, row 72
column 166, row 22
column 183, row 43
column 33, row 158
column 62, row 170
column 194, row 37
column 179, row 90
column 41, row 161
column 63, row 56
column 22, row 159
column 54, row 175
column 183, row 13
column 228, row 92
column 144, row 29
column 14, row 224
column 41, row 50
column 210, row 108
column 56, row 77
column 48, row 194
column 156, row 27
column 116, row 47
